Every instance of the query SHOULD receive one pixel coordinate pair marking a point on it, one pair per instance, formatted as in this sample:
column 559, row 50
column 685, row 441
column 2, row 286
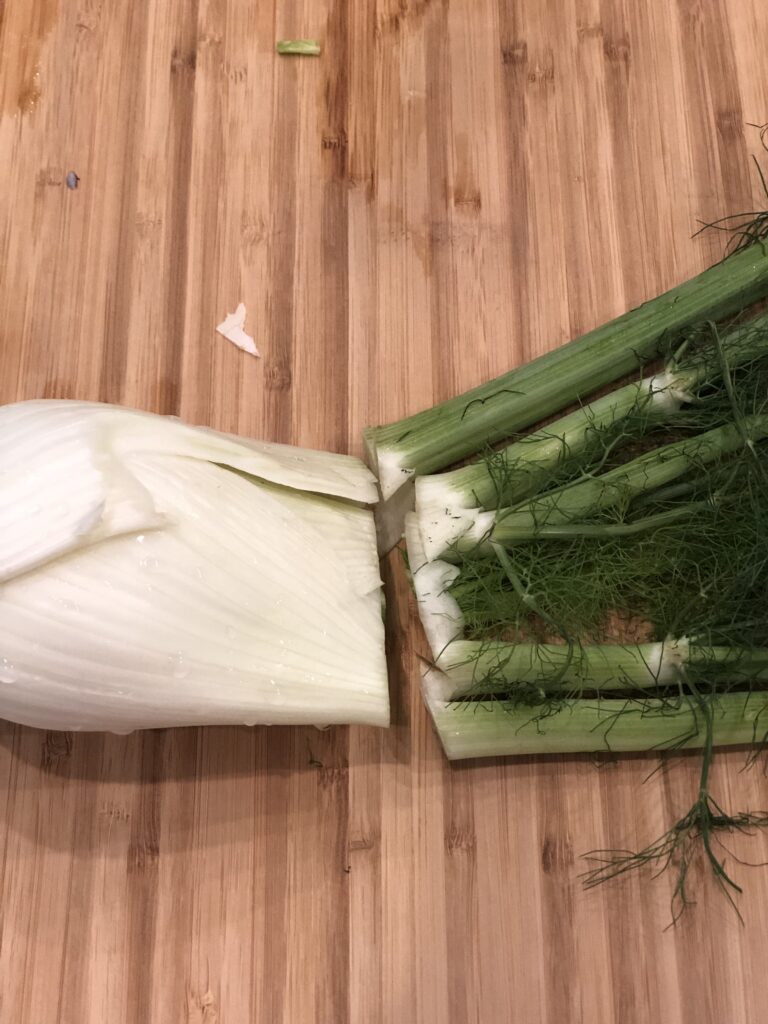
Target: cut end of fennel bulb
column 442, row 529
column 391, row 469
column 437, row 492
column 440, row 614
column 157, row 574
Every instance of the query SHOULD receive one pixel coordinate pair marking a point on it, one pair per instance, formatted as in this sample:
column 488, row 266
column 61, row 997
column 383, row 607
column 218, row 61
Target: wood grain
column 454, row 186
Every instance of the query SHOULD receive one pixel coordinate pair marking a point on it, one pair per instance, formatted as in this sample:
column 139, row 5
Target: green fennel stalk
column 453, row 430
column 530, row 462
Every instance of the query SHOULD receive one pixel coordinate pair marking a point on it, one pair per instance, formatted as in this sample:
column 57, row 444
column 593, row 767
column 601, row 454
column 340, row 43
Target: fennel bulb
column 158, row 574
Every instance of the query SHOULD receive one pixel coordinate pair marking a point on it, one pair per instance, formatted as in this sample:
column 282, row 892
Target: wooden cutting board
column 453, row 187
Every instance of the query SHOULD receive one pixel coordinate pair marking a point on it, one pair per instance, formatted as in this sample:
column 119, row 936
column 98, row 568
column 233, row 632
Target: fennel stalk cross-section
column 158, row 574
column 636, row 572
column 601, row 584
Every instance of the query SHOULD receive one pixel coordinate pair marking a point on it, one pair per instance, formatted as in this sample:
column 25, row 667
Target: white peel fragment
column 232, row 330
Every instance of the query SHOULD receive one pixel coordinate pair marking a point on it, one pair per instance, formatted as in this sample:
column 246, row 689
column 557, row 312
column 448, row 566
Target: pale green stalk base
column 486, row 667
column 642, row 475
column 489, row 729
column 490, row 666
column 558, row 513
column 535, row 456
column 462, row 426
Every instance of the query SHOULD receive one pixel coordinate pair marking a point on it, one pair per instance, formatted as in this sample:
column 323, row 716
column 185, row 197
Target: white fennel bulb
column 157, row 574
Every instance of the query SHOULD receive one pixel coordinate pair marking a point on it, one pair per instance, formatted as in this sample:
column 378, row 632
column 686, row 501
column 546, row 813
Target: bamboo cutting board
column 453, row 187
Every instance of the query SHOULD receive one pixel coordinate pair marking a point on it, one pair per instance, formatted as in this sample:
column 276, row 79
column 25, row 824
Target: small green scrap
column 299, row 47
